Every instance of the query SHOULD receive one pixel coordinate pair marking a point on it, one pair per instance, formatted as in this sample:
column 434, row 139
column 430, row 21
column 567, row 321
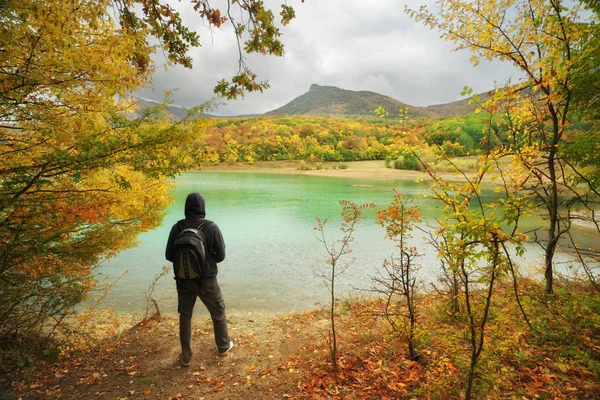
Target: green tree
column 587, row 82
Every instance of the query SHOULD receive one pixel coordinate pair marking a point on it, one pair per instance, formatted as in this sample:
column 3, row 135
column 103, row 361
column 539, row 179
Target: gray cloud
column 353, row 44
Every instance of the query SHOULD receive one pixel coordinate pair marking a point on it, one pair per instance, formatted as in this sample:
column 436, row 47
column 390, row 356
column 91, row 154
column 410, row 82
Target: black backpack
column 190, row 251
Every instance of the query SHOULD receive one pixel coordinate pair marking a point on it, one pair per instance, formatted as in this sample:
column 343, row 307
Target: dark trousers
column 210, row 294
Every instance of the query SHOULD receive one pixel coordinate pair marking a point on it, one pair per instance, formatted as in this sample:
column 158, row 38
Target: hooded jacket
column 194, row 215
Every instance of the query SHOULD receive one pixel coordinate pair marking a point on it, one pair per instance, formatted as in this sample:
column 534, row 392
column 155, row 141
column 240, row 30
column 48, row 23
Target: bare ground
column 370, row 170
column 143, row 363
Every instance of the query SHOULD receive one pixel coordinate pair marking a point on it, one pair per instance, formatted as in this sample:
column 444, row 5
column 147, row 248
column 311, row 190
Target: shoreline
column 370, row 170
column 358, row 170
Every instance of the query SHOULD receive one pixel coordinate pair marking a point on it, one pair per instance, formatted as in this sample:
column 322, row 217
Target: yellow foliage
column 79, row 180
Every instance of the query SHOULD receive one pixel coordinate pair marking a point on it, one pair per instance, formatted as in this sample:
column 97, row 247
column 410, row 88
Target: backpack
column 190, row 252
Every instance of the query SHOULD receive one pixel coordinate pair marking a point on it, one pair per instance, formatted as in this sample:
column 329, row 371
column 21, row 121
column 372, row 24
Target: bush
column 319, row 165
column 303, row 166
column 411, row 162
column 465, row 164
column 466, row 142
column 428, row 156
column 343, row 166
column 398, row 164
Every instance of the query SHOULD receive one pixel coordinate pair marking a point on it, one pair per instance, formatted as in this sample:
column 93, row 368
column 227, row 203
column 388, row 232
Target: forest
column 336, row 138
column 84, row 173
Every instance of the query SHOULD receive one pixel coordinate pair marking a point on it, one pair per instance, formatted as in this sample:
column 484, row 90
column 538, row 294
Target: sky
column 352, row 44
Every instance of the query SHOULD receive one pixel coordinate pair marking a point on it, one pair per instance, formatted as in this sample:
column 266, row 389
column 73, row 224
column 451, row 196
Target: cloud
column 352, row 44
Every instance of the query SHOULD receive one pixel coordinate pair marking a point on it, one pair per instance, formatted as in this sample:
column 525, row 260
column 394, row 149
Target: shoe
column 222, row 353
column 184, row 362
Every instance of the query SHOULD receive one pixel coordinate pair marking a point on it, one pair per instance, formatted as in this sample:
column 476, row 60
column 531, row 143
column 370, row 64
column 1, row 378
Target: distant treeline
column 338, row 139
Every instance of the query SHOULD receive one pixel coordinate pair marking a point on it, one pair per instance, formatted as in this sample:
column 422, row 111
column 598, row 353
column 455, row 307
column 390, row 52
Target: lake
column 273, row 257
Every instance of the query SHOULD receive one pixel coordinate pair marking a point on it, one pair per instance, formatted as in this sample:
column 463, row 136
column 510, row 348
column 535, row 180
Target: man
column 207, row 287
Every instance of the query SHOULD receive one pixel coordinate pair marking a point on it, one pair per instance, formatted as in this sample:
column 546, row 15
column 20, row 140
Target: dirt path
column 143, row 363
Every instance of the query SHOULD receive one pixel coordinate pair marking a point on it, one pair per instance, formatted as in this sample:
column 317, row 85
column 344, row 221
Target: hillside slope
column 333, row 101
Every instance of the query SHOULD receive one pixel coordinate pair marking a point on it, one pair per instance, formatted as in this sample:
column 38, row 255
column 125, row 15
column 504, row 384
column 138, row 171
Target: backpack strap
column 203, row 224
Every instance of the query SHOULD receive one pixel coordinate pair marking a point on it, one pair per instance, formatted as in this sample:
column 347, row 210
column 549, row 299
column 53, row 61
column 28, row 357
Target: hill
column 333, row 101
column 455, row 108
column 175, row 112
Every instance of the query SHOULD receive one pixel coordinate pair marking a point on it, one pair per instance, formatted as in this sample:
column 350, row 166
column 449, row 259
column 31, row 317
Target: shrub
column 398, row 164
column 411, row 162
column 343, row 166
column 467, row 164
column 303, row 166
column 319, row 165
column 428, row 155
column 466, row 142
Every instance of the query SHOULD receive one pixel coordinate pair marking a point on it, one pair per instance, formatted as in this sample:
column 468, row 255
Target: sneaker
column 222, row 353
column 183, row 361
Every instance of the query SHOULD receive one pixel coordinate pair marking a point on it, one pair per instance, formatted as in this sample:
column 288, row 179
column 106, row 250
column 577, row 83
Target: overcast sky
column 352, row 44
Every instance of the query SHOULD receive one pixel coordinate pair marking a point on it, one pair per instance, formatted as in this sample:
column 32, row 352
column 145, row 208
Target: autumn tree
column 81, row 175
column 398, row 282
column 476, row 241
column 336, row 251
column 543, row 40
column 253, row 25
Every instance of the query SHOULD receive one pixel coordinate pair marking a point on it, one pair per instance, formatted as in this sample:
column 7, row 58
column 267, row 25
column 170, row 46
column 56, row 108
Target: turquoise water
column 273, row 258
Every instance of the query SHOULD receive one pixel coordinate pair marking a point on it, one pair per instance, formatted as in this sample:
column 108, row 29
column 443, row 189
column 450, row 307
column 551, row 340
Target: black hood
column 194, row 206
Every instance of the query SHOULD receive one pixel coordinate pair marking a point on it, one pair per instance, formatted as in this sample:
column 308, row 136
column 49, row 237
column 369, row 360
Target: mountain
column 330, row 101
column 455, row 108
column 175, row 112
column 333, row 101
